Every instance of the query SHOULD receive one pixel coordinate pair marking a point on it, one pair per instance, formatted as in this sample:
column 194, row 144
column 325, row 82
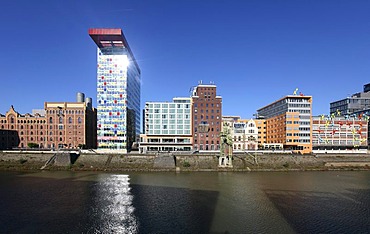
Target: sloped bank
column 182, row 162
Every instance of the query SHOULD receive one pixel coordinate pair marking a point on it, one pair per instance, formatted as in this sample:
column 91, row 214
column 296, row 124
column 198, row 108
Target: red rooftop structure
column 111, row 37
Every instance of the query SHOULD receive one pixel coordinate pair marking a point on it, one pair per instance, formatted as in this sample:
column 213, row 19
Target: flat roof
column 108, row 37
column 111, row 37
column 288, row 96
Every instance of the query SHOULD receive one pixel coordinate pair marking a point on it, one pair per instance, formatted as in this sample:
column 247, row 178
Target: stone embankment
column 178, row 162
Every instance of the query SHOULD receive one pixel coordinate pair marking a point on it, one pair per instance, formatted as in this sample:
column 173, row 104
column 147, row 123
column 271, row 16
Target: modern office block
column 167, row 126
column 288, row 122
column 355, row 103
column 339, row 134
column 118, row 90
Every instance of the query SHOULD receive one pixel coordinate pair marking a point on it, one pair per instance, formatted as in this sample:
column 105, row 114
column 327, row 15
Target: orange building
column 289, row 122
column 261, row 126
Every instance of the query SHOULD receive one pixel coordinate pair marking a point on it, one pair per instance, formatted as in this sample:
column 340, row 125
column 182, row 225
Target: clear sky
column 255, row 51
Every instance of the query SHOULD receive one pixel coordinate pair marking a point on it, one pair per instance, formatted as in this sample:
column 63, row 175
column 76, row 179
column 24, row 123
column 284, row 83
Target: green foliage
column 22, row 160
column 186, row 164
column 33, row 145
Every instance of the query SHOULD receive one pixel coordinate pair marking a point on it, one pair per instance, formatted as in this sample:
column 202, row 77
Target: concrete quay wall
column 183, row 162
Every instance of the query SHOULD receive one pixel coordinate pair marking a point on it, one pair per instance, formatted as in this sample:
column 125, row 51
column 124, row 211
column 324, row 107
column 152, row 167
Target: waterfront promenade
column 92, row 161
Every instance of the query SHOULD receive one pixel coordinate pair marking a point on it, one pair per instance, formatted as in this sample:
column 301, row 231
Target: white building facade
column 167, row 126
column 244, row 133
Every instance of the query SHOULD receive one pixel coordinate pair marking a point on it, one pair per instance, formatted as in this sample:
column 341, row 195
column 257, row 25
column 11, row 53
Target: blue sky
column 255, row 51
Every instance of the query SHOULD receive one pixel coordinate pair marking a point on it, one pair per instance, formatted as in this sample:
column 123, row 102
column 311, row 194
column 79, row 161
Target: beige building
column 70, row 125
column 244, row 133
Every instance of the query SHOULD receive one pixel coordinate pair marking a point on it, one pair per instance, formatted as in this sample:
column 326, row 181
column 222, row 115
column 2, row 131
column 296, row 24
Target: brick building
column 62, row 125
column 207, row 117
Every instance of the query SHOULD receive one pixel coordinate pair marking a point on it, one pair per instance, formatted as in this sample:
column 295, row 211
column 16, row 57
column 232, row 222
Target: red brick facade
column 207, row 117
column 64, row 125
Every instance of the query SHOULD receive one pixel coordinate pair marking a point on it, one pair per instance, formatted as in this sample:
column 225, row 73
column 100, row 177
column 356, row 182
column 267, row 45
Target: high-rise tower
column 118, row 90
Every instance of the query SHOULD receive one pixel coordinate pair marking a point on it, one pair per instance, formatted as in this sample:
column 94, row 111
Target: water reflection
column 304, row 202
column 113, row 206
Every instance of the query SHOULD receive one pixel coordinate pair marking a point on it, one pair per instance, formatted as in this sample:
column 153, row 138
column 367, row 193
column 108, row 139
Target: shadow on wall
column 9, row 139
column 74, row 157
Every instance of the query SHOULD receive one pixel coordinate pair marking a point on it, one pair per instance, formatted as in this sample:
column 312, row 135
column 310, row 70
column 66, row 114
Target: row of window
column 165, row 126
column 168, row 140
column 299, row 134
column 165, row 106
column 41, row 133
column 64, row 112
column 166, row 116
column 206, row 105
column 170, row 132
column 79, row 120
column 165, row 111
column 23, row 121
column 42, row 139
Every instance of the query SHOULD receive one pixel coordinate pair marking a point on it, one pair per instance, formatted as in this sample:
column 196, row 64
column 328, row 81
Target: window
column 79, row 120
column 60, row 120
column 70, row 120
column 51, row 120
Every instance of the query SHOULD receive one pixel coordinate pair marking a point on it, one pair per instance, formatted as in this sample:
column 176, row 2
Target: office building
column 207, row 117
column 288, row 122
column 339, row 134
column 118, row 91
column 355, row 103
column 261, row 127
column 167, row 126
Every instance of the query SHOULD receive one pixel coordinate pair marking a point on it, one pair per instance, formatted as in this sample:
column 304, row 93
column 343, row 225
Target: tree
column 33, row 145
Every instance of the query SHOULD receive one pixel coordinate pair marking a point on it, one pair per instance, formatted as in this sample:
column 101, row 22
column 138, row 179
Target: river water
column 198, row 202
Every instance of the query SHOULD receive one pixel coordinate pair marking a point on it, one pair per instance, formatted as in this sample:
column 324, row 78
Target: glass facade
column 118, row 97
column 168, row 118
